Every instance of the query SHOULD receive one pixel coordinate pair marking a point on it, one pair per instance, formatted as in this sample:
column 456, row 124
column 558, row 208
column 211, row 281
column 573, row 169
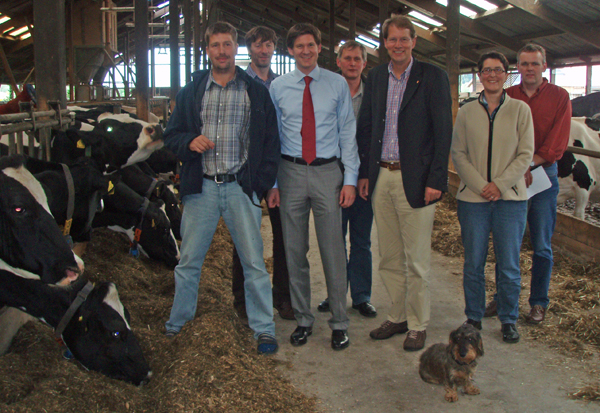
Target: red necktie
column 308, row 131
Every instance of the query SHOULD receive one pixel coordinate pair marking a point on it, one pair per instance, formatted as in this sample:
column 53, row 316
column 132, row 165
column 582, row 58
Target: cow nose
column 146, row 379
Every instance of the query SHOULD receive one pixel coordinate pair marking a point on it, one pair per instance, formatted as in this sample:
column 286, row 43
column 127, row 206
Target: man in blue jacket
column 224, row 131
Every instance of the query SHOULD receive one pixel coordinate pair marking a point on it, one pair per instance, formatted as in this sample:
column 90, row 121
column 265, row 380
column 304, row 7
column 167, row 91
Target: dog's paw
column 471, row 389
column 451, row 395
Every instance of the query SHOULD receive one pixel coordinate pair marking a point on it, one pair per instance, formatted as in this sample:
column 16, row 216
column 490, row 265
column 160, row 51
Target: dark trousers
column 281, row 278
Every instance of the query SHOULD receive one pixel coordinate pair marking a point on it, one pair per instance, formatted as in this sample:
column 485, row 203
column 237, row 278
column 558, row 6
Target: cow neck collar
column 151, row 188
column 80, row 299
column 138, row 230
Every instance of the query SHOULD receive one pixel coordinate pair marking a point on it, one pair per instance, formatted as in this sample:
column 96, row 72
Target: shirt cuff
column 350, row 179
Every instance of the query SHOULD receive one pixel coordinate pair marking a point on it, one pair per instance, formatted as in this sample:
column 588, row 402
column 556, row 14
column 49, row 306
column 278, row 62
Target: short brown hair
column 401, row 22
column 262, row 33
column 218, row 28
column 351, row 45
column 532, row 48
column 492, row 55
column 301, row 29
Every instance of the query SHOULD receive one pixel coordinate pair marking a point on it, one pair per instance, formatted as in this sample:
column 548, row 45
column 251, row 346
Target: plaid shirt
column 396, row 88
column 225, row 114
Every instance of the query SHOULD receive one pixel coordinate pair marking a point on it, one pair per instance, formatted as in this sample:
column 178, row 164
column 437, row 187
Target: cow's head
column 100, row 338
column 166, row 191
column 157, row 239
column 31, row 240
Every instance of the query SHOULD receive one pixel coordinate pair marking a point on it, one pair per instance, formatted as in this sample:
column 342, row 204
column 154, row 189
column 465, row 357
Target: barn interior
column 69, row 49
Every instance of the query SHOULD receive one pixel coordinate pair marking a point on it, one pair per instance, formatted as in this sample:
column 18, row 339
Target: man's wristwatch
column 532, row 164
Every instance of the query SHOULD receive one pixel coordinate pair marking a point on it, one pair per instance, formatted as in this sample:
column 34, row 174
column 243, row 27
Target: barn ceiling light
column 424, row 18
column 4, row 19
column 8, row 30
column 19, row 31
column 25, row 36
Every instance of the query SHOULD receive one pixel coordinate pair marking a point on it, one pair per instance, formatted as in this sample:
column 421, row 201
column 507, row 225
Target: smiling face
column 305, row 52
column 351, row 63
column 492, row 82
column 221, row 52
column 261, row 53
column 399, row 45
column 531, row 66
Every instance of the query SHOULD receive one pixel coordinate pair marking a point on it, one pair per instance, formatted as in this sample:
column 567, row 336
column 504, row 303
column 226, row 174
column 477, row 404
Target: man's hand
column 363, row 188
column 201, row 144
column 491, row 192
column 431, row 195
column 273, row 198
column 347, row 195
column 528, row 177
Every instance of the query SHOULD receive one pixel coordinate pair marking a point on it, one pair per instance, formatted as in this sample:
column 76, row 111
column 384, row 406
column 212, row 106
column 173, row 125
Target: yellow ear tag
column 80, row 318
column 80, row 144
column 110, row 187
column 153, row 224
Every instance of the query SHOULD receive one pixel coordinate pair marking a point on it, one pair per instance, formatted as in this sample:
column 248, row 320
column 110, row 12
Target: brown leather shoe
column 491, row 309
column 285, row 310
column 536, row 315
column 388, row 329
column 415, row 340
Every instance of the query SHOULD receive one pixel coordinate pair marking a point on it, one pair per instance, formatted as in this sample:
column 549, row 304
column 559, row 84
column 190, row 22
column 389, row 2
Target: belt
column 220, row 179
column 392, row 166
column 316, row 162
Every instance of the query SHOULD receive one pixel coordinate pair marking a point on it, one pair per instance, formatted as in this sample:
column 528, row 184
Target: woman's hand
column 491, row 192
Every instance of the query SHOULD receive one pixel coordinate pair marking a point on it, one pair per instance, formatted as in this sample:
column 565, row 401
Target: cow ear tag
column 80, row 319
column 80, row 144
column 111, row 188
column 153, row 224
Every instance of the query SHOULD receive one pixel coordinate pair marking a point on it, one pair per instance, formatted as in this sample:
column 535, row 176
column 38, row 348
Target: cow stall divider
column 573, row 236
column 37, row 125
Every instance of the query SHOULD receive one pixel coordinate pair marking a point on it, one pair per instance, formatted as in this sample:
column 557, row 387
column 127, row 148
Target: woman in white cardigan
column 492, row 147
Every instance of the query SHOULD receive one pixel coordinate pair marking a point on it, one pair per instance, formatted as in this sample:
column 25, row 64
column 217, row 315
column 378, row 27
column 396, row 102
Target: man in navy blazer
column 404, row 135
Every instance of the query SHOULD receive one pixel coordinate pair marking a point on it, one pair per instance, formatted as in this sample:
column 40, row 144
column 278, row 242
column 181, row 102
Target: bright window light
column 377, row 28
column 465, row 11
column 161, row 5
column 422, row 26
column 424, row 18
column 367, row 42
column 19, row 31
column 25, row 36
column 4, row 19
column 486, row 5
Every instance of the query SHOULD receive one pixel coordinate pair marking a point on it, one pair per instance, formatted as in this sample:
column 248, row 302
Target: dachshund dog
column 453, row 365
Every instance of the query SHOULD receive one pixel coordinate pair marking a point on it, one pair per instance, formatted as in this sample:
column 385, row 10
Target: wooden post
column 453, row 50
column 187, row 34
column 141, row 58
column 50, row 52
column 588, row 79
column 383, row 15
column 197, row 35
column 71, row 56
column 205, row 7
column 174, row 48
column 332, row 35
column 352, row 28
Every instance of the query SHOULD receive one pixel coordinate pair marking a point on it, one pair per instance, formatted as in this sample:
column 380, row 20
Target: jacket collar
column 416, row 75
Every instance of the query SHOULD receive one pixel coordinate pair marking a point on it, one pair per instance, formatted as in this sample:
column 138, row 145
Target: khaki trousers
column 404, row 250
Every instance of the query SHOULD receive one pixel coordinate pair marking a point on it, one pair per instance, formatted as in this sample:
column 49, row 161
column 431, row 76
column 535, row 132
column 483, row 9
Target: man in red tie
column 318, row 172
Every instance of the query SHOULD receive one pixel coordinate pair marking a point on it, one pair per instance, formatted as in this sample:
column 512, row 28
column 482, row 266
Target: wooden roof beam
column 581, row 30
column 430, row 7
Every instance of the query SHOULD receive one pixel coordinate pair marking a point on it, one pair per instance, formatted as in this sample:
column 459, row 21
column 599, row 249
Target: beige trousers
column 404, row 250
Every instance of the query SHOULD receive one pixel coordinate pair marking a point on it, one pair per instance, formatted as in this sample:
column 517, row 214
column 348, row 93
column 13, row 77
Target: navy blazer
column 424, row 129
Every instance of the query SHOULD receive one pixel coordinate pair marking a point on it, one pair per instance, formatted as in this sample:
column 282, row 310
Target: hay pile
column 572, row 324
column 212, row 366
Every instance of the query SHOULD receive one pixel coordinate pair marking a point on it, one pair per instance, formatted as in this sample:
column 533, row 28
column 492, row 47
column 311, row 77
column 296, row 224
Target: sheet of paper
column 540, row 183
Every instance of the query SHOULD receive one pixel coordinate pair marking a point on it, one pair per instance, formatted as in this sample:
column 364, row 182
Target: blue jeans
column 541, row 218
column 506, row 221
column 360, row 263
column 201, row 215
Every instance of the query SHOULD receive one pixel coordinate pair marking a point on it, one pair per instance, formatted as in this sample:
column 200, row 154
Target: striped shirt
column 225, row 114
column 396, row 87
column 357, row 99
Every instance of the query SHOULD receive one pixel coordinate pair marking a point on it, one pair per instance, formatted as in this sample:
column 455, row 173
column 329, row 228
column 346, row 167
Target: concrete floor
column 379, row 376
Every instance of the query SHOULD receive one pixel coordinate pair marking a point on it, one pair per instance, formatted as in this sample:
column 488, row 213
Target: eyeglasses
column 488, row 71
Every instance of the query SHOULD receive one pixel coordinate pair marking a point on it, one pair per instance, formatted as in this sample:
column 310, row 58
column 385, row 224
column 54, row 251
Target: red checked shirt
column 551, row 110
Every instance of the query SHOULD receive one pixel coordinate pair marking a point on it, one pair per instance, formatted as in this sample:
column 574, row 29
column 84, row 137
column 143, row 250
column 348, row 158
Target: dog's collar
column 462, row 363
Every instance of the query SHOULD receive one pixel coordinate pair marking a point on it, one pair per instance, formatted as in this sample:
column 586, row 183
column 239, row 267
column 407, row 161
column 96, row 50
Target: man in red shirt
column 551, row 109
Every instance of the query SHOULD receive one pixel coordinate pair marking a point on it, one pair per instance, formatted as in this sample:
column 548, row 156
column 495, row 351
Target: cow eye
column 116, row 334
column 109, row 128
column 19, row 210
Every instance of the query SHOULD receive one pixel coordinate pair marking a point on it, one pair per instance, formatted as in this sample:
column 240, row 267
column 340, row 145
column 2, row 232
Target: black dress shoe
column 476, row 324
column 366, row 309
column 324, row 306
column 510, row 333
column 339, row 339
column 300, row 336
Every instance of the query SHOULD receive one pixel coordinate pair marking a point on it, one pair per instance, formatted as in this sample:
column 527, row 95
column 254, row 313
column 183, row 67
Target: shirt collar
column 540, row 87
column 253, row 74
column 315, row 74
column 405, row 74
column 360, row 89
column 211, row 80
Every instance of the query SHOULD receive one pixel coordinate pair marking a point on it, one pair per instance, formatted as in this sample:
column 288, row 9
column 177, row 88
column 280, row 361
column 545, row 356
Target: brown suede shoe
column 388, row 329
column 285, row 310
column 536, row 315
column 491, row 309
column 415, row 340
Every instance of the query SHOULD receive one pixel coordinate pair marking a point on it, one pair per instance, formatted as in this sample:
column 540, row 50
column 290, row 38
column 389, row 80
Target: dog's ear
column 479, row 345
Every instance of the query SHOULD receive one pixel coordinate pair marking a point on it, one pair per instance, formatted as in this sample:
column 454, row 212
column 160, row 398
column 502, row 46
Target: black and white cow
column 115, row 141
column 578, row 174
column 138, row 180
column 31, row 244
column 588, row 105
column 89, row 185
column 98, row 334
column 123, row 212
